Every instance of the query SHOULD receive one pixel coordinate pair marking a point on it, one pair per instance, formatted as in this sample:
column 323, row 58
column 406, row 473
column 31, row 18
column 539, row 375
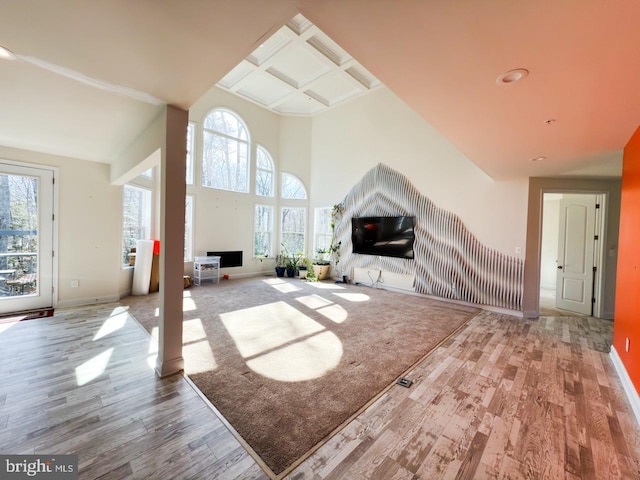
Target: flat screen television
column 384, row 236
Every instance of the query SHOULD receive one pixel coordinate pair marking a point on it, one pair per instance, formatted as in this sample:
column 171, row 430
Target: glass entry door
column 26, row 238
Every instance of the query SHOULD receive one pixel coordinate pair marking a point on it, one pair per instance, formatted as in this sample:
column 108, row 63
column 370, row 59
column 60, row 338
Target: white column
column 172, row 198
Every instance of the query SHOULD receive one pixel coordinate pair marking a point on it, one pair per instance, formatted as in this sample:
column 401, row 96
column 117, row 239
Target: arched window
column 225, row 152
column 264, row 173
column 292, row 187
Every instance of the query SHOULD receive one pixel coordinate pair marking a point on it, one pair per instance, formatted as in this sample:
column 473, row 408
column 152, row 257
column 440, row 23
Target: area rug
column 26, row 315
column 286, row 361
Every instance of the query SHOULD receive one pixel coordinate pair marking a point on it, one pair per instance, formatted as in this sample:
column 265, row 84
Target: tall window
column 293, row 223
column 225, row 156
column 263, row 231
column 292, row 187
column 264, row 173
column 188, row 228
column 136, row 218
column 322, row 230
column 191, row 150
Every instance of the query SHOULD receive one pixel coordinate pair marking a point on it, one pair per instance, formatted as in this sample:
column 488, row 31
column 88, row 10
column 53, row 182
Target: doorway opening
column 572, row 246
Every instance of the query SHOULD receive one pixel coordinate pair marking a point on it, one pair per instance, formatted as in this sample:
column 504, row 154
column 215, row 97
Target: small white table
column 206, row 269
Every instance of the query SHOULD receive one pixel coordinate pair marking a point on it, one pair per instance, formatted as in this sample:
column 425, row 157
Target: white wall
column 224, row 220
column 549, row 249
column 89, row 217
column 349, row 140
column 295, row 147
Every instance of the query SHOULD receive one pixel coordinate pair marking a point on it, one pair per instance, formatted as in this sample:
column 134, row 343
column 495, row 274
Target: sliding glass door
column 26, row 238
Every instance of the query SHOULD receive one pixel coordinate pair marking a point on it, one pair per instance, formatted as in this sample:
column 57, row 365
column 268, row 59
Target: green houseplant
column 321, row 269
column 293, row 265
column 303, row 268
column 321, row 253
column 311, row 275
column 281, row 261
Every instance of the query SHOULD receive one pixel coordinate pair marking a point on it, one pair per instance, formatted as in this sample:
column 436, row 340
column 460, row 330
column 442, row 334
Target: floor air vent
column 405, row 382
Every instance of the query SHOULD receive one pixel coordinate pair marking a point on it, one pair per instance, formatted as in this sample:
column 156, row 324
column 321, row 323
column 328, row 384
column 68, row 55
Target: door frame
column 54, row 228
column 538, row 186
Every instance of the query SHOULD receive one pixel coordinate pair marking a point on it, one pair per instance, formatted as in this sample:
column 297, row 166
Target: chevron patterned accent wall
column 449, row 261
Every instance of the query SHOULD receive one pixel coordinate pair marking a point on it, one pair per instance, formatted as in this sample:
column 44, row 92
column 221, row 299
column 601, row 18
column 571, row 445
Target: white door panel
column 26, row 238
column 574, row 286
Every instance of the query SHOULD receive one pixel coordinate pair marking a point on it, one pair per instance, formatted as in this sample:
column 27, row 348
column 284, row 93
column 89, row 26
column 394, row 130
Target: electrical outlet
column 627, row 344
column 75, row 283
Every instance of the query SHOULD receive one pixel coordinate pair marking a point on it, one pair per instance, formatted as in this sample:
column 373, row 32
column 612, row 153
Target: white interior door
column 26, row 238
column 574, row 286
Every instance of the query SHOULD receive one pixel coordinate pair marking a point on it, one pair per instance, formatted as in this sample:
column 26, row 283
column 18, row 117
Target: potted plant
column 281, row 261
column 303, row 268
column 293, row 265
column 321, row 253
column 311, row 276
column 321, row 269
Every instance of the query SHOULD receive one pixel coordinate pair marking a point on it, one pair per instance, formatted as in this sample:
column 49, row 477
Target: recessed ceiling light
column 537, row 159
column 6, row 53
column 512, row 76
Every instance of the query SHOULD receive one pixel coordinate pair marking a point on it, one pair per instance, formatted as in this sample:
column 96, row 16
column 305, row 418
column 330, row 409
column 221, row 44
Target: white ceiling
column 299, row 71
column 88, row 73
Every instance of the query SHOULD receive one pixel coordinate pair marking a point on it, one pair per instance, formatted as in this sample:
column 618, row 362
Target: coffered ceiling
column 299, row 71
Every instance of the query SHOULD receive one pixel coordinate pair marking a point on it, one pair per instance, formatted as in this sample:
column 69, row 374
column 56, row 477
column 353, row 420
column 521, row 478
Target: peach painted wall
column 627, row 311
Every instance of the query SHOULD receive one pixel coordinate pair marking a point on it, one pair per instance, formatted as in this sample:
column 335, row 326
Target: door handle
column 559, row 267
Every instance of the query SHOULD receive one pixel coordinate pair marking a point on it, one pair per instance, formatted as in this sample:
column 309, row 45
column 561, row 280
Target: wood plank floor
column 81, row 382
column 505, row 398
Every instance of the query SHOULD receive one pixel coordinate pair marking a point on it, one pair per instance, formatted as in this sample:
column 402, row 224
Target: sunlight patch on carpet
column 193, row 331
column 197, row 353
column 314, row 301
column 335, row 313
column 354, row 297
column 188, row 304
column 325, row 307
column 303, row 360
column 282, row 285
column 198, row 357
column 282, row 343
column 326, row 286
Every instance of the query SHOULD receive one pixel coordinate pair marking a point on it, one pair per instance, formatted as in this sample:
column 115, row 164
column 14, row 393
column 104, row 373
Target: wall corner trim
column 627, row 385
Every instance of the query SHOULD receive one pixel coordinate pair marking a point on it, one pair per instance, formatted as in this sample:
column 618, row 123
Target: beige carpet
column 286, row 361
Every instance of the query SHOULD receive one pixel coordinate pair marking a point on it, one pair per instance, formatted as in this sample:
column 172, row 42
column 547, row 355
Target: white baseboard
column 250, row 274
column 169, row 367
column 373, row 277
column 627, row 384
column 77, row 302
